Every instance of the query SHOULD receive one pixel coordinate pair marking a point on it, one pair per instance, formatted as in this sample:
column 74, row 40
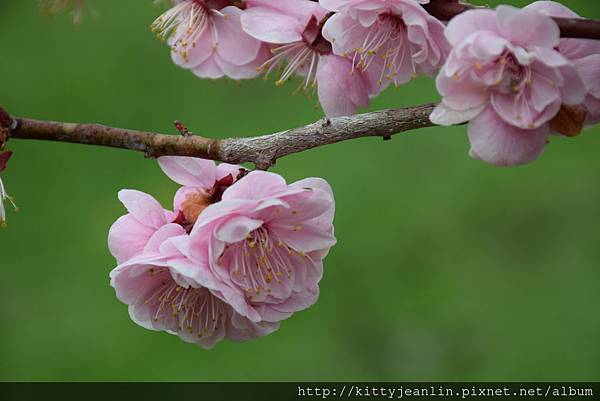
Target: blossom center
column 302, row 57
column 183, row 24
column 386, row 39
column 194, row 310
column 196, row 201
column 262, row 265
column 512, row 76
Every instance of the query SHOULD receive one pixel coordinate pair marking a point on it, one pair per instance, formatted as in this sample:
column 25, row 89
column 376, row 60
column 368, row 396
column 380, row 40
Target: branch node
column 325, row 122
column 264, row 164
column 7, row 124
column 183, row 130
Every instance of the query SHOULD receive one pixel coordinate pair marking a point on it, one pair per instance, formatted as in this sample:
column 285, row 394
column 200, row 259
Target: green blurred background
column 446, row 268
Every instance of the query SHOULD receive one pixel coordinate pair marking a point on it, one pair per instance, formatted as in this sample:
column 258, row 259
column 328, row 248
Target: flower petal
column 496, row 142
column 189, row 171
column 143, row 207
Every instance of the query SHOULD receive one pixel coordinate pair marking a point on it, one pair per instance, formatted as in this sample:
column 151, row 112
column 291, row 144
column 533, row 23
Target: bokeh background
column 446, row 268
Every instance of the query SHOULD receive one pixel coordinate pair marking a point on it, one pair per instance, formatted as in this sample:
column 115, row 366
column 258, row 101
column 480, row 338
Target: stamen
column 4, row 196
column 293, row 58
column 192, row 310
column 385, row 39
column 263, row 269
column 183, row 25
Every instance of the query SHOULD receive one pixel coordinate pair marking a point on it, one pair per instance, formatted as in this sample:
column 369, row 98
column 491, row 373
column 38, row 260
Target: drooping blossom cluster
column 506, row 71
column 240, row 252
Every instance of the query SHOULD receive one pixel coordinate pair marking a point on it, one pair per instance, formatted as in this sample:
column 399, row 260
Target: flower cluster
column 506, row 71
column 348, row 50
column 240, row 252
column 511, row 76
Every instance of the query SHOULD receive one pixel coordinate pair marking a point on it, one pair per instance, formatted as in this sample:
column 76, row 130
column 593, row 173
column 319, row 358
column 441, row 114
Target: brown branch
column 263, row 151
column 581, row 28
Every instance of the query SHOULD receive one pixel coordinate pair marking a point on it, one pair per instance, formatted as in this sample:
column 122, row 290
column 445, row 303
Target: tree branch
column 263, row 151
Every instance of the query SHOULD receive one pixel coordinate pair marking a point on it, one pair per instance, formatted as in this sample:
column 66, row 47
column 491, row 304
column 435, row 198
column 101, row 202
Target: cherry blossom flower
column 584, row 53
column 201, row 181
column 4, row 196
column 206, row 37
column 163, row 289
column 505, row 77
column 397, row 39
column 293, row 28
column 236, row 257
column 166, row 292
column 265, row 241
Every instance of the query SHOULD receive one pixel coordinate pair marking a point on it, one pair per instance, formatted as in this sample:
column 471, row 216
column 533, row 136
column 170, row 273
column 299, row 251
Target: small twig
column 183, row 130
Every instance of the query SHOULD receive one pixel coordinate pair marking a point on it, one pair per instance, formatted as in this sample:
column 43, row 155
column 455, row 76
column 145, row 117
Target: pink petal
column 242, row 329
column 496, row 142
column 208, row 69
column 247, row 71
column 304, row 238
column 236, row 229
column 527, row 27
column 271, row 26
column 589, row 71
column 341, row 88
column 197, row 54
column 444, row 115
column 234, row 45
column 225, row 169
column 189, row 171
column 161, row 235
column 127, row 238
column 464, row 24
column 463, row 94
column 255, row 186
column 143, row 207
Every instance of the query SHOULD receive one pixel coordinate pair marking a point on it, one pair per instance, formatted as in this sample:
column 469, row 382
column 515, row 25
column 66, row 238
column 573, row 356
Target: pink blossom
column 265, row 242
column 505, row 77
column 395, row 40
column 4, row 196
column 293, row 28
column 129, row 235
column 166, row 292
column 199, row 179
column 188, row 272
column 206, row 37
column 163, row 289
column 584, row 53
column 202, row 181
